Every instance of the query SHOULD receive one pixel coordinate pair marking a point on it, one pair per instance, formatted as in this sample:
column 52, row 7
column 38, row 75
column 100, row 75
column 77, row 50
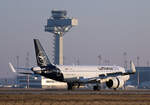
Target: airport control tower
column 59, row 24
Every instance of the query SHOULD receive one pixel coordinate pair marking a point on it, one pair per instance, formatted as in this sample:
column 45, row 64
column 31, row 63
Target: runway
column 75, row 97
column 76, row 91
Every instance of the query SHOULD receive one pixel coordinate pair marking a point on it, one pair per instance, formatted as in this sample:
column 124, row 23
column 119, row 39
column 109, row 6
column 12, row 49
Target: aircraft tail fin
column 41, row 57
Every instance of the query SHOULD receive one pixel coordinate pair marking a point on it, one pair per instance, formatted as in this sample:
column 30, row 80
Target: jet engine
column 36, row 70
column 115, row 83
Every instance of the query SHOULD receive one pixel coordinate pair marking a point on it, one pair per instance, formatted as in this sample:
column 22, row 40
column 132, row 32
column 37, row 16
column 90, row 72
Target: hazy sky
column 106, row 27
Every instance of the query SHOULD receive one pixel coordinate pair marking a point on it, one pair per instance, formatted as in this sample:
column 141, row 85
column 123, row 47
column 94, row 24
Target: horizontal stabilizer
column 25, row 73
column 28, row 69
column 14, row 70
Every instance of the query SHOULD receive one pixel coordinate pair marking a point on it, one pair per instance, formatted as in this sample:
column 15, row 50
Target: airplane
column 75, row 76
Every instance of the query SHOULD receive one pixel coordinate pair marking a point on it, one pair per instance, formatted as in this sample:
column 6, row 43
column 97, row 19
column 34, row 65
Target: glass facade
column 29, row 81
column 141, row 79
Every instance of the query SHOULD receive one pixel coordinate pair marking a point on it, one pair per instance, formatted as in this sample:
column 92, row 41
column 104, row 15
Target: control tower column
column 61, row 50
column 58, row 49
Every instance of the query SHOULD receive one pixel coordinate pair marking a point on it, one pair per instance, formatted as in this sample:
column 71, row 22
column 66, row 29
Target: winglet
column 132, row 67
column 12, row 67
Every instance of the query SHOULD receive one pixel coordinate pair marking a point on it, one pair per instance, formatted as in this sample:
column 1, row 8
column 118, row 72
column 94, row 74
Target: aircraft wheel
column 70, row 86
column 115, row 89
column 96, row 88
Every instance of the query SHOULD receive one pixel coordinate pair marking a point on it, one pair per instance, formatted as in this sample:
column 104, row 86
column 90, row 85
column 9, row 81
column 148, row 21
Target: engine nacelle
column 36, row 70
column 115, row 83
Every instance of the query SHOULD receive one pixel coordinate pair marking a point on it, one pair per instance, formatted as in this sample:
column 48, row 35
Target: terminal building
column 26, row 81
column 141, row 79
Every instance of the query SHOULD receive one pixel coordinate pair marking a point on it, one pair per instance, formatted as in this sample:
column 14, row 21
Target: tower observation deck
column 59, row 24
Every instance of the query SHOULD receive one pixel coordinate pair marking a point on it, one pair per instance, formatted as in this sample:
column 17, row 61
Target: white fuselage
column 73, row 73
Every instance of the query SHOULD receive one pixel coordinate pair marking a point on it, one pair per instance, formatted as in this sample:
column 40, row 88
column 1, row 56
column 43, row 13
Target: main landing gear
column 71, row 86
column 96, row 87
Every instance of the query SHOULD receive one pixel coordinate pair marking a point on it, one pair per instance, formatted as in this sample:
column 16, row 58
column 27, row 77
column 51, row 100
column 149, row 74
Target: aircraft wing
column 105, row 77
column 133, row 70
